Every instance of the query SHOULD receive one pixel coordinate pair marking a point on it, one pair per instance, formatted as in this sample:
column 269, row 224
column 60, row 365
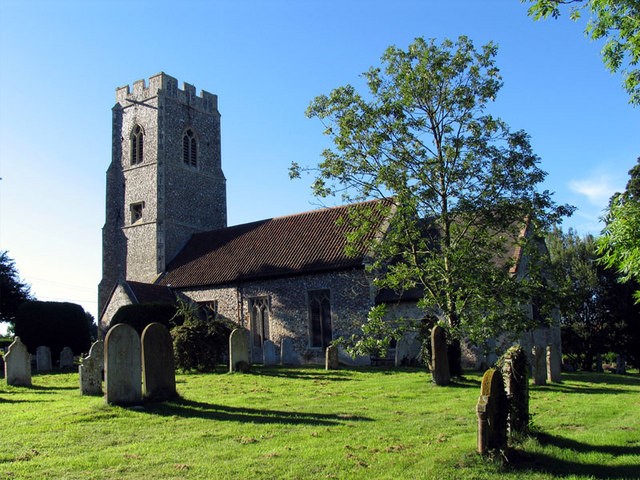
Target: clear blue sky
column 60, row 62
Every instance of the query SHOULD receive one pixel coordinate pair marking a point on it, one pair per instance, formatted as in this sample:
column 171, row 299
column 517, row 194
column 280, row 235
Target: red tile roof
column 304, row 243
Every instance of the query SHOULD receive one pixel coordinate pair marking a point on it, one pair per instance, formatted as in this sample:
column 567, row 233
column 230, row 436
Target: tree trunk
column 455, row 358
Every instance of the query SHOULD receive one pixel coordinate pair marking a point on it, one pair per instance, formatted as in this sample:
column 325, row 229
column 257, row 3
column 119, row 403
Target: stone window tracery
column 137, row 142
column 321, row 332
column 259, row 320
column 189, row 148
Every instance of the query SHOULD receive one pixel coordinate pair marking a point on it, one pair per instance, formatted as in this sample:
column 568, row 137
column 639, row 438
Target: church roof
column 150, row 293
column 310, row 242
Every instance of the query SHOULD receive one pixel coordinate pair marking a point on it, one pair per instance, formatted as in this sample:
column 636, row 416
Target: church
column 166, row 235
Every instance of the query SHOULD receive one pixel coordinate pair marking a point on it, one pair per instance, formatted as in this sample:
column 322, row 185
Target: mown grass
column 311, row 423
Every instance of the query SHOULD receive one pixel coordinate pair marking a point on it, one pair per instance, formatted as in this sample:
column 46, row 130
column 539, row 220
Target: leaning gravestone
column 17, row 364
column 287, row 353
column 123, row 370
column 539, row 365
column 158, row 368
column 269, row 353
column 492, row 413
column 239, row 350
column 91, row 370
column 66, row 358
column 331, row 358
column 514, row 366
column 43, row 359
column 439, row 357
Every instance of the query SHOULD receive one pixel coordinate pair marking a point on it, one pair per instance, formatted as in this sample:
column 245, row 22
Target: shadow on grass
column 604, row 378
column 210, row 411
column 543, row 463
column 306, row 374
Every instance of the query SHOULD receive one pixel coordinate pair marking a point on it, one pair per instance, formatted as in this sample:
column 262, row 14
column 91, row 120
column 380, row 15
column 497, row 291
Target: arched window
column 259, row 320
column 320, row 318
column 137, row 142
column 189, row 148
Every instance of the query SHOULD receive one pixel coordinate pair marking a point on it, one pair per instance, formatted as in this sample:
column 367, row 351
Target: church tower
column 165, row 180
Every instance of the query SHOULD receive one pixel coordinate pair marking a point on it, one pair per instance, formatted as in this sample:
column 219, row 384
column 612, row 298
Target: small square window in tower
column 189, row 148
column 136, row 211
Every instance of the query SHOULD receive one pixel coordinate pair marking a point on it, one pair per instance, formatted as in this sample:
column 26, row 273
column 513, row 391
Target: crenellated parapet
column 163, row 85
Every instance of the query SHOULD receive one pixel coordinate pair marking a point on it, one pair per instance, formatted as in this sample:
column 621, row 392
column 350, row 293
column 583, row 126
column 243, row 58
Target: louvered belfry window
column 189, row 148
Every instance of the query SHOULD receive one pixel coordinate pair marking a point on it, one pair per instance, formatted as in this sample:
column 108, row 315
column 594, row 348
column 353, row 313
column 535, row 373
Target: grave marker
column 269, row 353
column 91, row 370
column 17, row 364
column 239, row 350
column 43, row 359
column 66, row 358
column 439, row 357
column 492, row 413
column 158, row 367
column 123, row 370
column 331, row 358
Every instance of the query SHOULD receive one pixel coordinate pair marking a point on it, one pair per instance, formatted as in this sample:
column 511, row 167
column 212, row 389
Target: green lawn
column 309, row 423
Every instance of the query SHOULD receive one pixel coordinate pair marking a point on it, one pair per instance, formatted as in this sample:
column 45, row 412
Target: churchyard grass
column 310, row 423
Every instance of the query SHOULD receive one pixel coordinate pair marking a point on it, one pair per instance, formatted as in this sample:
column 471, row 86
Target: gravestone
column 43, row 359
column 621, row 364
column 439, row 357
column 239, row 350
column 539, row 356
column 66, row 358
column 269, row 353
column 158, row 368
column 91, row 370
column 407, row 350
column 287, row 353
column 514, row 366
column 492, row 413
column 17, row 364
column 122, row 366
column 331, row 358
column 554, row 364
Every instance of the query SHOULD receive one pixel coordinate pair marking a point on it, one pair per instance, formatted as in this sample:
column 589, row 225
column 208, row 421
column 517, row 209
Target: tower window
column 189, row 148
column 136, row 211
column 137, row 141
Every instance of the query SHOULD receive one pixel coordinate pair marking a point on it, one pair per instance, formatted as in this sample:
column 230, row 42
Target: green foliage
column 598, row 312
column 140, row 315
column 13, row 291
column 460, row 185
column 619, row 245
column 55, row 325
column 200, row 339
column 615, row 21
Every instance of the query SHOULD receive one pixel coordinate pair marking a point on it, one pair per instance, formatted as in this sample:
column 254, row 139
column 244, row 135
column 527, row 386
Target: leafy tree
column 200, row 338
column 619, row 245
column 460, row 184
column 55, row 325
column 13, row 291
column 617, row 21
column 598, row 312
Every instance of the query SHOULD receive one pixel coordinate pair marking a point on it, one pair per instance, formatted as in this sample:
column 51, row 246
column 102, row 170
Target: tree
column 13, row 291
column 461, row 186
column 55, row 325
column 617, row 21
column 619, row 245
column 596, row 310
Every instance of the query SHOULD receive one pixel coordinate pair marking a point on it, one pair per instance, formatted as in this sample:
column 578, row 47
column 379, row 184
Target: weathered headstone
column 554, row 364
column 158, row 367
column 66, row 359
column 331, row 358
column 514, row 366
column 539, row 357
column 621, row 364
column 91, row 370
column 287, row 353
column 492, row 413
column 269, row 353
column 123, row 371
column 17, row 364
column 407, row 349
column 43, row 359
column 439, row 357
column 239, row 350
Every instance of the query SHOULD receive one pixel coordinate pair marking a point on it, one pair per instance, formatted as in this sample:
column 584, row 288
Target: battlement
column 166, row 85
